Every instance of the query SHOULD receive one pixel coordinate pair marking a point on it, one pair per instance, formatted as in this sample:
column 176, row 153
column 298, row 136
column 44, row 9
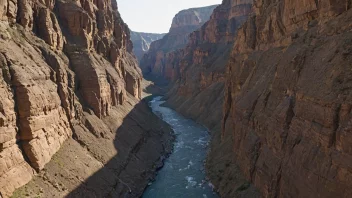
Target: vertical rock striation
column 67, row 69
column 287, row 98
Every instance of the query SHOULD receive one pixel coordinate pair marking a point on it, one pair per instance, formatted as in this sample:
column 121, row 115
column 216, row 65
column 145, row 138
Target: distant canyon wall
column 142, row 41
column 160, row 59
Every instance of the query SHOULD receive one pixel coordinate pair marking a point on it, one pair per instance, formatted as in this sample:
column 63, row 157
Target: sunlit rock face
column 67, row 69
column 160, row 59
column 141, row 42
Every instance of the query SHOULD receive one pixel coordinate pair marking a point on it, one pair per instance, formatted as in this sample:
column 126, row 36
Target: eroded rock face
column 66, row 67
column 201, row 65
column 197, row 92
column 14, row 170
column 43, row 124
column 287, row 99
column 141, row 42
column 198, row 76
column 285, row 126
column 159, row 60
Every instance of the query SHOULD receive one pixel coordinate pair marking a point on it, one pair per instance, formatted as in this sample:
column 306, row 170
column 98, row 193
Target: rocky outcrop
column 68, row 70
column 159, row 61
column 286, row 100
column 141, row 42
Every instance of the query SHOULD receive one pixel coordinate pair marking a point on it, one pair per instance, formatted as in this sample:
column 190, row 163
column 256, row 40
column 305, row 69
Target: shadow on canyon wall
column 141, row 142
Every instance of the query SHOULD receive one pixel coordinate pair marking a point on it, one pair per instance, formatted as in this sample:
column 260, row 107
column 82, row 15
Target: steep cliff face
column 201, row 65
column 285, row 127
column 159, row 61
column 287, row 100
column 67, row 69
column 198, row 90
column 141, row 42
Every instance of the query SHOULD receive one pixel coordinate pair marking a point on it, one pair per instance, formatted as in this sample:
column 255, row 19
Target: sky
column 155, row 16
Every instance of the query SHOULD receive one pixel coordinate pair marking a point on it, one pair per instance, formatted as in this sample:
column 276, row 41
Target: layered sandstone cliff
column 141, row 42
column 198, row 90
column 286, row 115
column 67, row 69
column 287, row 100
column 158, row 60
column 201, row 65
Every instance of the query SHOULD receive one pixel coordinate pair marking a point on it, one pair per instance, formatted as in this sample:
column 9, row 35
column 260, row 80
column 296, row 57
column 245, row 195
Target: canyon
column 197, row 76
column 271, row 80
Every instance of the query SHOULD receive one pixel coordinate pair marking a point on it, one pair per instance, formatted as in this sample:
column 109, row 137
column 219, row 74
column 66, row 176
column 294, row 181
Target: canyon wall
column 275, row 93
column 160, row 59
column 197, row 91
column 287, row 98
column 201, row 65
column 67, row 69
column 197, row 75
column 141, row 42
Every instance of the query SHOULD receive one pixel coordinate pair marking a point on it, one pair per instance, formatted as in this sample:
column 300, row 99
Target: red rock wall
column 14, row 170
column 285, row 126
column 287, row 94
column 198, row 90
column 81, row 61
column 201, row 65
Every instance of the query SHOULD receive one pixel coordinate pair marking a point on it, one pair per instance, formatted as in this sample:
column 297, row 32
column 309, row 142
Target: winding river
column 183, row 174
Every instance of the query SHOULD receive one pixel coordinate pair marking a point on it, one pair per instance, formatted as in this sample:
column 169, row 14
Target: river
column 183, row 174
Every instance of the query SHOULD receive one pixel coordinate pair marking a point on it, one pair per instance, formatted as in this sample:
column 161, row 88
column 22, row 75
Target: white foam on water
column 201, row 142
column 179, row 144
column 190, row 163
column 191, row 181
column 189, row 148
column 183, row 169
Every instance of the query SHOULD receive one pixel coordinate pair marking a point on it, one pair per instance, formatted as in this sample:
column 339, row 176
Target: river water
column 183, row 174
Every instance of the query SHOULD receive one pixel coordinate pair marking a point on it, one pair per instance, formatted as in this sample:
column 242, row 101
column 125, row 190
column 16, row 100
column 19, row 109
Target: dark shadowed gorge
column 270, row 79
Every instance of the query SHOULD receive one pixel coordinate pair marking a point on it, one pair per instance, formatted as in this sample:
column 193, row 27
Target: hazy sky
column 155, row 16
